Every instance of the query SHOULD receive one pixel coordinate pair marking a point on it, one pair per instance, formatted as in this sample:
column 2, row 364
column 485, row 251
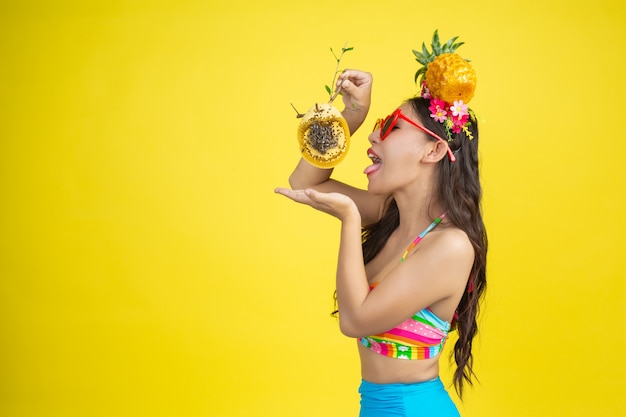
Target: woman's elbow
column 349, row 329
column 293, row 182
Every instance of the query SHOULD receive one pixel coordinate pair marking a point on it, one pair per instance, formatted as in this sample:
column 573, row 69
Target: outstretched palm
column 335, row 204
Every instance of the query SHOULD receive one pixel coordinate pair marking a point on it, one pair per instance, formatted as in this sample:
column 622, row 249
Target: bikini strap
column 421, row 235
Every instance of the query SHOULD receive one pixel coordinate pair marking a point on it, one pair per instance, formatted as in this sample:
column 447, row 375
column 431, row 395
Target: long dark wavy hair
column 458, row 190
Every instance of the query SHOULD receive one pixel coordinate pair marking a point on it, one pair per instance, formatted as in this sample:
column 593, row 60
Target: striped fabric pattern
column 419, row 337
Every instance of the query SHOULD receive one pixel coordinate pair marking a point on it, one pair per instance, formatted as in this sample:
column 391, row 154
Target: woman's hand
column 356, row 92
column 338, row 205
column 356, row 89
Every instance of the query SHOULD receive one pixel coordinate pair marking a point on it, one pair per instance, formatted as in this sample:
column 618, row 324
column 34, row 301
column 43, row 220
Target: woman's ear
column 436, row 151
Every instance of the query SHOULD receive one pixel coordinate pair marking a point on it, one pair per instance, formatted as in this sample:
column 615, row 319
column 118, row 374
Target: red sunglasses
column 386, row 126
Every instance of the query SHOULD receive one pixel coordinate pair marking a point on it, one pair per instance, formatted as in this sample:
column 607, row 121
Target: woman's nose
column 374, row 137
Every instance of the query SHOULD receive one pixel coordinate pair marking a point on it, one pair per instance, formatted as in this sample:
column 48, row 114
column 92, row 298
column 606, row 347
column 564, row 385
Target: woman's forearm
column 306, row 175
column 352, row 285
column 355, row 117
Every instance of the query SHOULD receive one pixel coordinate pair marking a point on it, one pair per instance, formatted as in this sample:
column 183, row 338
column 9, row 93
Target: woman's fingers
column 356, row 77
column 299, row 196
column 356, row 88
column 335, row 204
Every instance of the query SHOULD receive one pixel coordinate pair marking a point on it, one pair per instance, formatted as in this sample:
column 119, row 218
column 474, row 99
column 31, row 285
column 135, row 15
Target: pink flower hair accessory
column 448, row 81
column 455, row 117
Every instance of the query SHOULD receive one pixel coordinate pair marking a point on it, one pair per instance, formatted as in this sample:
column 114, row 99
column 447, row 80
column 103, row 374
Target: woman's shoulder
column 442, row 266
column 451, row 242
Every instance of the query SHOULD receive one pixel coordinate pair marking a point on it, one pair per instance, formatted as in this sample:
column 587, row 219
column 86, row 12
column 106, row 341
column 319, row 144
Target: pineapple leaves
column 450, row 46
column 436, row 43
column 425, row 56
column 425, row 51
column 456, row 46
column 420, row 73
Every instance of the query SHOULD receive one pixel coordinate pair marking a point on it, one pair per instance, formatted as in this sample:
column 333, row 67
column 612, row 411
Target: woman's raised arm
column 356, row 91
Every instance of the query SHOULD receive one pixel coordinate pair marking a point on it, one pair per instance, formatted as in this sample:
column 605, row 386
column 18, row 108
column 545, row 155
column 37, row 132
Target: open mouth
column 375, row 158
column 376, row 162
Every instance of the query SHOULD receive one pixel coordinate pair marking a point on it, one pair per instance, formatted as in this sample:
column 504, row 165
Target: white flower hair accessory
column 449, row 82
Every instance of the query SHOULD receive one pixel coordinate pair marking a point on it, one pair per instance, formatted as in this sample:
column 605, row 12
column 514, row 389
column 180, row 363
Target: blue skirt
column 427, row 399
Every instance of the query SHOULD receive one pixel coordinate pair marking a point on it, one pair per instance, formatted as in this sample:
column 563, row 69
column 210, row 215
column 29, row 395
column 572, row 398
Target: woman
column 414, row 241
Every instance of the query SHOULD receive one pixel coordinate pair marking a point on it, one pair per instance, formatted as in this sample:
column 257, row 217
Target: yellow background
column 147, row 268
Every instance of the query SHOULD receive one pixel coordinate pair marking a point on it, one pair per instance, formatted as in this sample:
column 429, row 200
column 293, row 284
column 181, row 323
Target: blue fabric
column 421, row 399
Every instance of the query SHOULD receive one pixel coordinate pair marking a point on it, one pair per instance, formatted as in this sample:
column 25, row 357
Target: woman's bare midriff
column 381, row 369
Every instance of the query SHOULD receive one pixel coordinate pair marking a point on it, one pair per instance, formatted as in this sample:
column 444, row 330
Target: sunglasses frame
column 392, row 119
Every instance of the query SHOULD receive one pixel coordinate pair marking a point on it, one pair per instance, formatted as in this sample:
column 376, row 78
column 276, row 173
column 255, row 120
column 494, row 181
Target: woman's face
column 397, row 158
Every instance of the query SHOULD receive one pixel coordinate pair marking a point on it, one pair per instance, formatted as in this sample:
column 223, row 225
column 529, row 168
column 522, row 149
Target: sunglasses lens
column 386, row 126
column 377, row 125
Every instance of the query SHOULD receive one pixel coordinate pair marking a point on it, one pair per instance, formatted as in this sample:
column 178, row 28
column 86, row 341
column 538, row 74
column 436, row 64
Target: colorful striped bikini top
column 419, row 337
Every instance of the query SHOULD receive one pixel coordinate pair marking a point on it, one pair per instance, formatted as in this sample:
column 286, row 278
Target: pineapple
column 447, row 76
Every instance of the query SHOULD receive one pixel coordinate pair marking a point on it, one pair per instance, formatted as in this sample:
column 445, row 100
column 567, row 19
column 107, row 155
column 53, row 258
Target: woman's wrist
column 355, row 117
column 352, row 217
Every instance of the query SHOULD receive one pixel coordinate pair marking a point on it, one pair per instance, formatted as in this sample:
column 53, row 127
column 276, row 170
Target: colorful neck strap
column 421, row 235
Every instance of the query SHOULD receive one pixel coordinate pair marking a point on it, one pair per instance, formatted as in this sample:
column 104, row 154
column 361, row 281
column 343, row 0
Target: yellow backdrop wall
column 147, row 268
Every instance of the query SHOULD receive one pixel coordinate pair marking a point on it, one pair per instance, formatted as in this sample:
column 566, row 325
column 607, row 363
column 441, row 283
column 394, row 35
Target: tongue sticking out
column 372, row 168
